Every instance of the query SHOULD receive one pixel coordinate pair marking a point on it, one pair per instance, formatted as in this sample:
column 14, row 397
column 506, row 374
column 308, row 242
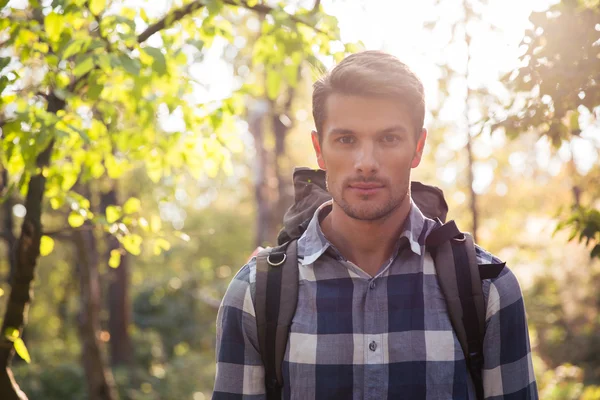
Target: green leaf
column 132, row 205
column 214, row 6
column 11, row 333
column 143, row 14
column 73, row 47
column 1, row 292
column 97, row 6
column 56, row 203
column 76, row 220
column 46, row 245
column 3, row 3
column 114, row 168
column 69, row 176
column 273, row 83
column 115, row 258
column 159, row 64
column 251, row 3
column 161, row 244
column 130, row 65
column 4, row 61
column 21, row 350
column 84, row 67
column 113, row 213
column 3, row 84
column 104, row 62
column 198, row 44
column 132, row 244
column 94, row 89
column 53, row 25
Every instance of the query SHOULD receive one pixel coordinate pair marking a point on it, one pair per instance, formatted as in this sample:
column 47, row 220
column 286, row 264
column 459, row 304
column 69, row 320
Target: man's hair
column 371, row 73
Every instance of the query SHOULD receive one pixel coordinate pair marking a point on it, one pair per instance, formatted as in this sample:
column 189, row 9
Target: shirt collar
column 313, row 243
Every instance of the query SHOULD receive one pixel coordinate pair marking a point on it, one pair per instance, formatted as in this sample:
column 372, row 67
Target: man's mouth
column 366, row 188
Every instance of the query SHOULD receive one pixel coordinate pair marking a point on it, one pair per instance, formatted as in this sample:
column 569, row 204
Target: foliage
column 565, row 383
column 119, row 89
column 174, row 311
column 64, row 380
column 559, row 71
column 584, row 223
column 556, row 84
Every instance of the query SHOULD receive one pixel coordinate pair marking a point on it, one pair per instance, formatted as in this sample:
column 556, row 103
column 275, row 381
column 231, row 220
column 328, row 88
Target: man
column 371, row 321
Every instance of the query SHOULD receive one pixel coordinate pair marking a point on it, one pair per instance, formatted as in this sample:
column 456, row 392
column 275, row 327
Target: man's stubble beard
column 366, row 212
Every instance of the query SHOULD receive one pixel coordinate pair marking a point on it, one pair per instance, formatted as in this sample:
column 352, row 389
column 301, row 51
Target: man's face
column 367, row 147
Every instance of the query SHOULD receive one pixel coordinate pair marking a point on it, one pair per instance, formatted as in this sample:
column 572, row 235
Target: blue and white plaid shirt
column 384, row 337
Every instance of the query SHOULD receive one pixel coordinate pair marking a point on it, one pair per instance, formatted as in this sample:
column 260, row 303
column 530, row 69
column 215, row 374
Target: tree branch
column 169, row 19
column 178, row 14
column 97, row 17
column 194, row 6
column 316, row 6
column 264, row 9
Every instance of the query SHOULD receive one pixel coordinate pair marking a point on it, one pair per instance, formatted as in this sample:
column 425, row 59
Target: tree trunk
column 256, row 119
column 99, row 379
column 119, row 304
column 285, row 194
column 9, row 233
column 27, row 252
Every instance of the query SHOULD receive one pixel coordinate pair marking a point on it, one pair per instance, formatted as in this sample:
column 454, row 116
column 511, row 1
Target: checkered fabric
column 384, row 337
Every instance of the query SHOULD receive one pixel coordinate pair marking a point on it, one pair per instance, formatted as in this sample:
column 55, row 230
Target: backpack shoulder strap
column 275, row 304
column 456, row 265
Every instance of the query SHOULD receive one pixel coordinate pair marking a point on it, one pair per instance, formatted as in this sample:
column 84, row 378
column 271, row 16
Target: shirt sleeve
column 508, row 368
column 240, row 371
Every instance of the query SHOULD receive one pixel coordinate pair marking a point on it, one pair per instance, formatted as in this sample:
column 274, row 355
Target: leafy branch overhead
column 559, row 73
column 121, row 76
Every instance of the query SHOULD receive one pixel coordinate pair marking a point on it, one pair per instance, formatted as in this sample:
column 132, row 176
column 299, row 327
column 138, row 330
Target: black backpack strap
column 490, row 271
column 275, row 304
column 459, row 277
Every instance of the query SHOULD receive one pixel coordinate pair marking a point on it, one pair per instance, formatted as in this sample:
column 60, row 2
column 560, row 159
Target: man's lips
column 364, row 188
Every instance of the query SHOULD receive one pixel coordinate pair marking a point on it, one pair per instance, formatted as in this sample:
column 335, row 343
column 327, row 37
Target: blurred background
column 147, row 148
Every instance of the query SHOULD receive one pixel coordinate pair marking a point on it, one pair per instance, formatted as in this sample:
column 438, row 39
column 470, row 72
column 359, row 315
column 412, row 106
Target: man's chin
column 367, row 213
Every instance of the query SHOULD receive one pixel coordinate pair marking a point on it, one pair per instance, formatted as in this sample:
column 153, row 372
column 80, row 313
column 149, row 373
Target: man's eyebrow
column 392, row 129
column 341, row 131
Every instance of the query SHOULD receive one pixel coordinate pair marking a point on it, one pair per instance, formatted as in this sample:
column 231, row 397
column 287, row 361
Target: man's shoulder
column 247, row 273
column 502, row 291
column 241, row 288
column 485, row 257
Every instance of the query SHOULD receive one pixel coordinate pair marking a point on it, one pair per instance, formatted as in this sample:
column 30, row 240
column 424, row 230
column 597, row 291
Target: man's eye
column 391, row 138
column 346, row 139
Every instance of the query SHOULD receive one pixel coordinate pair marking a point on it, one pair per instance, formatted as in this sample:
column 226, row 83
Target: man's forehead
column 342, row 110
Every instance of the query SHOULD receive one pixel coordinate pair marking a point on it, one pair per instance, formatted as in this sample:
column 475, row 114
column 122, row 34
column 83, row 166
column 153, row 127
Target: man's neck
column 368, row 244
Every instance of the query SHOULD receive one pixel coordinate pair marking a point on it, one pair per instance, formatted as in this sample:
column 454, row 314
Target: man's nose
column 367, row 161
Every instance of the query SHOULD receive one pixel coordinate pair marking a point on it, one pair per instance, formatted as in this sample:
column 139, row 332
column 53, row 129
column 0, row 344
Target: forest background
column 147, row 149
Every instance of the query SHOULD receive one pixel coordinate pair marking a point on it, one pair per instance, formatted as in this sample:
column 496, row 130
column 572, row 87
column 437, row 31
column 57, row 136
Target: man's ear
column 419, row 149
column 318, row 152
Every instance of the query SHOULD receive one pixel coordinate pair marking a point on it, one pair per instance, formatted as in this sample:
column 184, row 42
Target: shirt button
column 372, row 285
column 373, row 346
